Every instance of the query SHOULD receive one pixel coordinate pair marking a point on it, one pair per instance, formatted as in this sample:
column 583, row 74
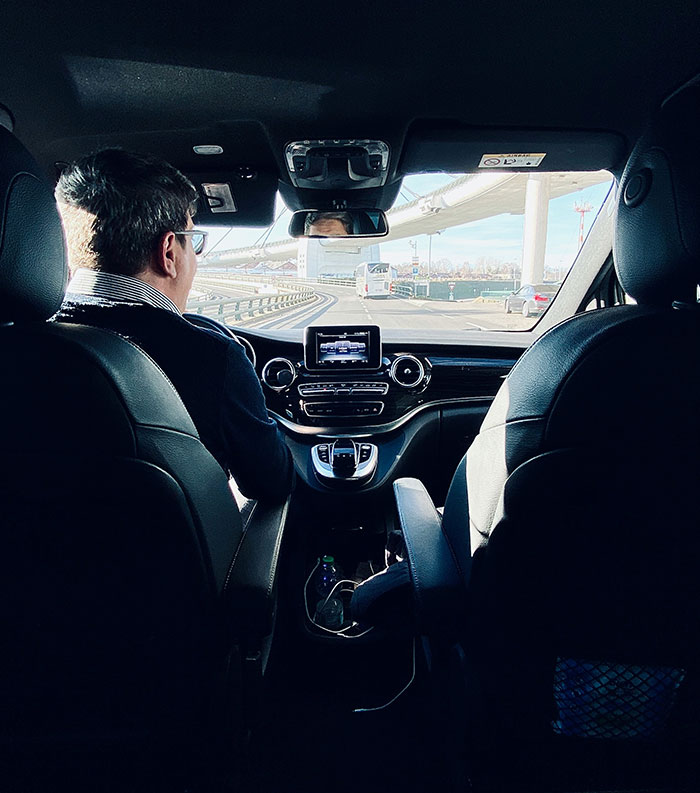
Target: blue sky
column 499, row 237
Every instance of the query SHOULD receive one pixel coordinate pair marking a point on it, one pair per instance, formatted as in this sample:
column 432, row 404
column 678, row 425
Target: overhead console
column 337, row 164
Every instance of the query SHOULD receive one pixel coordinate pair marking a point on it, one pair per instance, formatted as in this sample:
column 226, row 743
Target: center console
column 344, row 461
column 345, row 380
column 335, row 400
column 349, row 395
column 357, row 414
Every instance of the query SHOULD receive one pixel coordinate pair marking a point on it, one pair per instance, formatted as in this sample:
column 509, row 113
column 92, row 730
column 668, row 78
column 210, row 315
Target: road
column 337, row 305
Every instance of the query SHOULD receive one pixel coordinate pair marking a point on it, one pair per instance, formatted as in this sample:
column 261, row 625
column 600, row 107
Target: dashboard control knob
column 285, row 377
column 278, row 374
column 407, row 371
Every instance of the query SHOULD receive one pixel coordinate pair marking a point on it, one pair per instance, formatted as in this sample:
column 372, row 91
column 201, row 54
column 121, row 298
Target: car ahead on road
column 531, row 299
column 140, row 658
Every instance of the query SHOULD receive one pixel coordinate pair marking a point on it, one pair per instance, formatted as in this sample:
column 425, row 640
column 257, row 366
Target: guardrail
column 349, row 282
column 402, row 290
column 275, row 279
column 238, row 309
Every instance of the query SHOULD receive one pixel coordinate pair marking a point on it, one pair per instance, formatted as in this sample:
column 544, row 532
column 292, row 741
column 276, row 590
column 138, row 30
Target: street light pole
column 430, row 257
column 414, row 264
column 430, row 261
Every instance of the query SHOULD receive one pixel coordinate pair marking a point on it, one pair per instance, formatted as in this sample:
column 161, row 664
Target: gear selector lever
column 344, row 461
column 344, row 457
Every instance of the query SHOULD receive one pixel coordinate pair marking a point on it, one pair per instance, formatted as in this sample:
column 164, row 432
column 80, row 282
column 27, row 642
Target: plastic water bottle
column 326, row 577
column 329, row 610
column 330, row 613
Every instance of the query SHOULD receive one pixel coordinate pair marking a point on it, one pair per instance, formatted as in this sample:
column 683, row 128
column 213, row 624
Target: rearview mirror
column 321, row 223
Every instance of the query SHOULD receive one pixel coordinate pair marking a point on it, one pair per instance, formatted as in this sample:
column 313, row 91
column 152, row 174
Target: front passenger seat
column 580, row 628
column 133, row 605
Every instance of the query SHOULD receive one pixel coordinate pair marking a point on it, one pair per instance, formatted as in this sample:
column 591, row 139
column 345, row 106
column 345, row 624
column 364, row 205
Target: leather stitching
column 415, row 576
column 77, row 341
column 238, row 547
column 6, row 200
column 276, row 552
column 447, row 537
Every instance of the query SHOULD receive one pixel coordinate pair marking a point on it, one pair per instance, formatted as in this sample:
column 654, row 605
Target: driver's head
column 117, row 206
column 328, row 224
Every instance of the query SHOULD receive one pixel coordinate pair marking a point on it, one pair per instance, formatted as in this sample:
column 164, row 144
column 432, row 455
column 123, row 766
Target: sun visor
column 475, row 150
column 243, row 196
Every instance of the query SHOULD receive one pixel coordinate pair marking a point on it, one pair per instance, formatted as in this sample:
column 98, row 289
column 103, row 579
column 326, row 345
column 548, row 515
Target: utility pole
column 430, row 257
column 582, row 208
column 414, row 264
column 430, row 260
column 414, row 256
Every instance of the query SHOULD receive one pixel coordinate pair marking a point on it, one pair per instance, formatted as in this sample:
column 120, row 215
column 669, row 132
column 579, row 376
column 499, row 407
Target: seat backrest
column 585, row 602
column 118, row 526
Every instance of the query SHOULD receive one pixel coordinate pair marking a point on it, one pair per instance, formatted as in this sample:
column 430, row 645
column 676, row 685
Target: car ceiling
column 252, row 76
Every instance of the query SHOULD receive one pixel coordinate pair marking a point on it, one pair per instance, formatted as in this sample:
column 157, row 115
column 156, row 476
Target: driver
column 133, row 251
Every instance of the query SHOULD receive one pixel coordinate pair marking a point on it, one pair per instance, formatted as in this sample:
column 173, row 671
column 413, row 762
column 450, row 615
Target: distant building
column 338, row 258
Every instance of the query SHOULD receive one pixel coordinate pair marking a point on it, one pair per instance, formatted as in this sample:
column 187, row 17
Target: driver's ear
column 166, row 255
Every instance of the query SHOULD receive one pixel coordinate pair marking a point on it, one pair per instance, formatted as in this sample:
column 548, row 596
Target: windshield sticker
column 511, row 160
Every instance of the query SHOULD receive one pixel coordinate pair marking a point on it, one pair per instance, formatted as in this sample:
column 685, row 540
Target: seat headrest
column 657, row 235
column 33, row 266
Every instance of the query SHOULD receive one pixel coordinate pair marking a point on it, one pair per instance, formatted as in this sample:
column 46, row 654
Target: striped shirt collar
column 117, row 288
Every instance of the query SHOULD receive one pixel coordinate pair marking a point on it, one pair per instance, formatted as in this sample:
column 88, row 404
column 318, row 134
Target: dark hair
column 314, row 217
column 135, row 200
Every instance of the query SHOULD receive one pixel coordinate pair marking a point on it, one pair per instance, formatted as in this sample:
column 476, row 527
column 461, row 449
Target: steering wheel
column 208, row 323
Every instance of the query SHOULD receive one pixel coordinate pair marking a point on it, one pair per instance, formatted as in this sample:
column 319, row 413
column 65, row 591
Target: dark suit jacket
column 217, row 384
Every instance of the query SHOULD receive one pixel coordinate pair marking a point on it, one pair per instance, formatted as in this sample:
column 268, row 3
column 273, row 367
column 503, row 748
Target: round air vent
column 407, row 371
column 278, row 374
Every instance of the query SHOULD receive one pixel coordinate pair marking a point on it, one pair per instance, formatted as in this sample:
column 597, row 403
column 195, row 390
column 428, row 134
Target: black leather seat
column 580, row 610
column 135, row 609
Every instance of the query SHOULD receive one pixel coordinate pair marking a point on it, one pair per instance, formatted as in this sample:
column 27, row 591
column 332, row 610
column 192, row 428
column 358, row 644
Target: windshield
column 464, row 252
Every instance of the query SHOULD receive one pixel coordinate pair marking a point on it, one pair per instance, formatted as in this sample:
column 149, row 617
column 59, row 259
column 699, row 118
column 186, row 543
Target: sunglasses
column 198, row 237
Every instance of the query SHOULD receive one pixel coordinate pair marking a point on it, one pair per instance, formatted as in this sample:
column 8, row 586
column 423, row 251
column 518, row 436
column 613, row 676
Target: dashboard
column 358, row 412
column 346, row 379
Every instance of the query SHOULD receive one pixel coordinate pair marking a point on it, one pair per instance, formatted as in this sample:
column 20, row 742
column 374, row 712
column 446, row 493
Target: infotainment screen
column 342, row 347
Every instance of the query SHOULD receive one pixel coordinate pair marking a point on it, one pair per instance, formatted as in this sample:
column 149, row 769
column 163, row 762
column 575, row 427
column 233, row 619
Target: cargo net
column 613, row 701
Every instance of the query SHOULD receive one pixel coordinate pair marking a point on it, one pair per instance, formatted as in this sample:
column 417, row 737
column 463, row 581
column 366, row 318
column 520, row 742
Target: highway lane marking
column 305, row 314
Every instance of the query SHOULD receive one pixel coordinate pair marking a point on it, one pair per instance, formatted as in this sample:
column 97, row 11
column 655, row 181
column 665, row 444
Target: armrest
column 435, row 569
column 250, row 591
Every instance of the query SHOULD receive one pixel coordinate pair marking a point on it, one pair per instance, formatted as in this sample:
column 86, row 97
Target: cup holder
column 328, row 614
